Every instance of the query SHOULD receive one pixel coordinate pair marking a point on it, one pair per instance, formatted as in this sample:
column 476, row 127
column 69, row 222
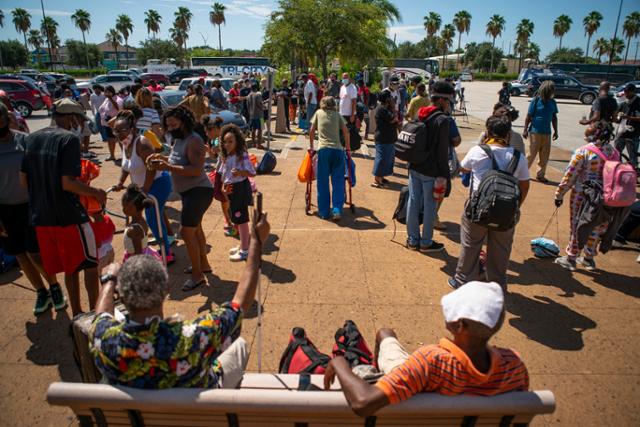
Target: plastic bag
column 305, row 172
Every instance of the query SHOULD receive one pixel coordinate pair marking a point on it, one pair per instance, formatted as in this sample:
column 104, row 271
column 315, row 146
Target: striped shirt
column 149, row 118
column 585, row 165
column 446, row 369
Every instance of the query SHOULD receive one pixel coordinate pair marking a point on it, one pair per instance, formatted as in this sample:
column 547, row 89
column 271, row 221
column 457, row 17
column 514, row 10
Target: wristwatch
column 105, row 278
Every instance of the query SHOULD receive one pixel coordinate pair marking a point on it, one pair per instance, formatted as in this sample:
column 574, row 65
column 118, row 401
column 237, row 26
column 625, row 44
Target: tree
column 616, row 46
column 462, row 21
column 631, row 29
column 82, row 19
column 49, row 27
column 13, row 53
column 125, row 27
column 391, row 12
column 495, row 26
column 183, row 23
column 115, row 39
column 523, row 32
column 1, row 19
column 432, row 23
column 561, row 26
column 446, row 40
column 591, row 23
column 168, row 50
column 178, row 37
column 566, row 55
column 483, row 56
column 601, row 47
column 36, row 40
column 152, row 20
column 22, row 22
column 216, row 17
column 532, row 51
column 81, row 53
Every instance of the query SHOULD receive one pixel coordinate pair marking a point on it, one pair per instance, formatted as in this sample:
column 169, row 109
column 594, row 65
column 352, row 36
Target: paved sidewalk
column 578, row 334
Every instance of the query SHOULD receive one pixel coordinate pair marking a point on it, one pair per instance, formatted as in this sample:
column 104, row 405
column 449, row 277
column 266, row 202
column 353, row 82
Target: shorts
column 391, row 354
column 67, row 249
column 21, row 237
column 255, row 124
column 108, row 131
column 195, row 203
column 240, row 199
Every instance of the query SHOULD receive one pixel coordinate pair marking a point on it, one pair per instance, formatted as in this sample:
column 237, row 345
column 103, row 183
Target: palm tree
column 152, row 21
column 631, row 28
column 616, row 46
column 216, row 17
column 114, row 37
column 49, row 27
column 82, row 20
column 22, row 22
column 390, row 11
column 601, row 47
column 1, row 19
column 178, row 36
column 125, row 27
column 561, row 26
column 36, row 40
column 183, row 23
column 523, row 32
column 446, row 35
column 495, row 26
column 432, row 23
column 591, row 23
column 462, row 21
column 533, row 51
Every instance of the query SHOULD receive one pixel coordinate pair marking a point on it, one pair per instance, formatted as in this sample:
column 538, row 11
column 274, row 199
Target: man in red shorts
column 51, row 167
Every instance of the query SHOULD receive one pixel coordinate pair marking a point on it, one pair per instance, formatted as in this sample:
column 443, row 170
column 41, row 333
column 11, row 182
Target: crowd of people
column 54, row 222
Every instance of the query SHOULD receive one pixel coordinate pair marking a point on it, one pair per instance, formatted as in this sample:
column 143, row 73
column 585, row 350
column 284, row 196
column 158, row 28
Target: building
column 109, row 53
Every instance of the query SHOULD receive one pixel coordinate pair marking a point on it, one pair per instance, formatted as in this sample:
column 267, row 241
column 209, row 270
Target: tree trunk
column 627, row 51
column 325, row 70
column 27, row 48
column 86, row 50
column 220, row 39
column 586, row 52
column 50, row 54
column 459, row 41
column 493, row 46
column 560, row 45
column 126, row 49
column 117, row 60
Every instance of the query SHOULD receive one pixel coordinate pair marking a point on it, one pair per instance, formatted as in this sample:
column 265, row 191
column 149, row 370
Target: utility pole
column 635, row 57
column 48, row 38
column 615, row 36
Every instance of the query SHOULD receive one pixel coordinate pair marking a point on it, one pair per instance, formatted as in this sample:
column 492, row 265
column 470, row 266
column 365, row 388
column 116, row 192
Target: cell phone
column 259, row 202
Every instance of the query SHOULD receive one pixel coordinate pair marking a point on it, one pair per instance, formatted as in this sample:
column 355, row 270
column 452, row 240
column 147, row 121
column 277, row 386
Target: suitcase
column 80, row 329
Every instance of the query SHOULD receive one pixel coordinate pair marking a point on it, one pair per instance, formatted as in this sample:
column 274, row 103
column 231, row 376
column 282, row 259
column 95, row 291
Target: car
column 170, row 98
column 118, row 81
column 183, row 73
column 518, row 88
column 28, row 71
column 161, row 79
column 29, row 79
column 39, row 77
column 226, row 83
column 566, row 87
column 25, row 96
column 230, row 117
column 61, row 78
column 466, row 77
column 129, row 73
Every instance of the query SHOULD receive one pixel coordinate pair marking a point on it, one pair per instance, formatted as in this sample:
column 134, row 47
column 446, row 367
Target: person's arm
column 312, row 135
column 442, row 148
column 246, row 290
column 105, row 299
column 346, row 136
column 72, row 185
column 363, row 398
column 144, row 150
column 352, row 119
column 571, row 173
column 123, row 178
column 524, row 190
column 527, row 122
column 554, row 123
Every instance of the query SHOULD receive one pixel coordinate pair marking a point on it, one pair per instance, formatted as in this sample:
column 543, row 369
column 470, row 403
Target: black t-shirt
column 606, row 105
column 51, row 154
column 386, row 132
column 245, row 91
column 631, row 109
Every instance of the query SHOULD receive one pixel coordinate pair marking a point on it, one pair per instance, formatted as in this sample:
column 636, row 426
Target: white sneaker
column 588, row 263
column 239, row 256
column 234, row 250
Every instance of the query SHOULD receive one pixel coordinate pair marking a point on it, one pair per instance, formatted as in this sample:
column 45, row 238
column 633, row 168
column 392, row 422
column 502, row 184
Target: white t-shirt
column 310, row 88
column 458, row 85
column 479, row 163
column 96, row 101
column 150, row 117
column 394, row 94
column 347, row 93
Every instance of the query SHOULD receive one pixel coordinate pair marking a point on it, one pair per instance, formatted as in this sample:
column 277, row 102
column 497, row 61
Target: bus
column 409, row 66
column 595, row 73
column 232, row 66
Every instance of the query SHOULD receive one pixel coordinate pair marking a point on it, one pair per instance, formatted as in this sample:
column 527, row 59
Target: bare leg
column 71, row 281
column 91, row 285
column 167, row 223
column 225, row 212
column 112, row 147
column 380, row 335
column 30, row 271
column 189, row 235
column 37, row 263
column 202, row 242
column 243, row 230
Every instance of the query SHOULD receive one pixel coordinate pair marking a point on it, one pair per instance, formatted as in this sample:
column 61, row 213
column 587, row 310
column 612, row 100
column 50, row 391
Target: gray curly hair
column 143, row 283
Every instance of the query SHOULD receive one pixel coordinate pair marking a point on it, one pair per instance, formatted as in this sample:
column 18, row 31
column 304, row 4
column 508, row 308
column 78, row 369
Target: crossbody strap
column 490, row 155
column 594, row 149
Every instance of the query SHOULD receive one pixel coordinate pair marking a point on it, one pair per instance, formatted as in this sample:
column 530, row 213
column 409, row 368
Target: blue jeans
column 160, row 189
column 311, row 110
column 420, row 196
column 330, row 165
column 101, row 129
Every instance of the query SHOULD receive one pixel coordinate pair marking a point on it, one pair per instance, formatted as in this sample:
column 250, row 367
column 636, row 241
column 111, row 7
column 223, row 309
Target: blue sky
column 246, row 19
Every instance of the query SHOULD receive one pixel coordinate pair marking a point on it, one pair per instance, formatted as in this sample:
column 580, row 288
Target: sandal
column 190, row 285
column 189, row 270
column 385, row 181
column 377, row 185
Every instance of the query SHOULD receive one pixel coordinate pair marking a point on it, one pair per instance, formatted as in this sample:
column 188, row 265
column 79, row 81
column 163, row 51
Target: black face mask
column 177, row 133
column 4, row 131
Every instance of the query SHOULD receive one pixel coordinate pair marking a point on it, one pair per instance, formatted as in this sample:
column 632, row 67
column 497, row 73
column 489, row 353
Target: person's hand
column 235, row 172
column 525, row 134
column 558, row 203
column 118, row 187
column 160, row 165
column 261, row 227
column 101, row 196
column 227, row 189
column 112, row 268
column 330, row 374
column 555, row 136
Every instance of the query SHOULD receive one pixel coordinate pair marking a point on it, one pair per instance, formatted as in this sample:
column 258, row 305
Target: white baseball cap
column 478, row 301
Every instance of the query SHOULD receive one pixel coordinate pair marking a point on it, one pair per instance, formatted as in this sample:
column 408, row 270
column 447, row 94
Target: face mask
column 4, row 131
column 177, row 133
column 345, row 81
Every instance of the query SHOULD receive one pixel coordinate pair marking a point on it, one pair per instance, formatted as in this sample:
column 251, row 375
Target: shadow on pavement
column 360, row 219
column 9, row 277
column 618, row 282
column 551, row 324
column 548, row 274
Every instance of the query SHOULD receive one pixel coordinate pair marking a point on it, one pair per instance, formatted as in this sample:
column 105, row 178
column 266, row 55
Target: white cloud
column 412, row 33
column 49, row 12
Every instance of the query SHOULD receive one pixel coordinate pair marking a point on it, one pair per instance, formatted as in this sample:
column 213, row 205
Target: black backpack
column 496, row 202
column 267, row 164
column 400, row 214
column 355, row 140
column 411, row 145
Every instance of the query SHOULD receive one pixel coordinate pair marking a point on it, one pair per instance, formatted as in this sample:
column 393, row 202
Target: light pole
column 48, row 38
column 613, row 41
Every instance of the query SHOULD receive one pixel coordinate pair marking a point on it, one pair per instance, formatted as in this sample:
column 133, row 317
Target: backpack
column 301, row 356
column 544, row 248
column 496, row 202
column 618, row 179
column 411, row 145
column 351, row 345
column 267, row 164
column 400, row 214
column 355, row 141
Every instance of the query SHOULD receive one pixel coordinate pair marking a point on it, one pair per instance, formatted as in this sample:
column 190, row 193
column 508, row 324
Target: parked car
column 161, row 79
column 39, row 77
column 178, row 75
column 25, row 96
column 170, row 98
column 118, row 81
column 226, row 83
column 129, row 73
column 466, row 77
column 566, row 87
column 519, row 88
column 60, row 78
column 230, row 117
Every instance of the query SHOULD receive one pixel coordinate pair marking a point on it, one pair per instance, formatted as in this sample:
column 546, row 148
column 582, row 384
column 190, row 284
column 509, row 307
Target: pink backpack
column 618, row 179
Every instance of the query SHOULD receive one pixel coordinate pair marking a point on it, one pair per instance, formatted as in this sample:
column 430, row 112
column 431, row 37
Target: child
column 235, row 170
column 134, row 202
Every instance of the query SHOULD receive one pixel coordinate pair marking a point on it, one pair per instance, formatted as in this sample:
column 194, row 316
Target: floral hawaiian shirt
column 165, row 353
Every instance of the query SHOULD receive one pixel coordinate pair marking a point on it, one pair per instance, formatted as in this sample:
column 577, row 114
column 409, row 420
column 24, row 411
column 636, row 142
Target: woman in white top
column 95, row 101
column 136, row 149
column 150, row 119
column 108, row 110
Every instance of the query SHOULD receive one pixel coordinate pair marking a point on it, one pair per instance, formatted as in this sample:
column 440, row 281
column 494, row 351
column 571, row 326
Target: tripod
column 462, row 106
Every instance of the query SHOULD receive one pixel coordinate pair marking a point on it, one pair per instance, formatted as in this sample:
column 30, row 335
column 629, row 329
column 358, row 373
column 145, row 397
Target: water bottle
column 439, row 188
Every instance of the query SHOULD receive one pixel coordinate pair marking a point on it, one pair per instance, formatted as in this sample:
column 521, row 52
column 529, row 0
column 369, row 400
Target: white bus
column 156, row 66
column 232, row 66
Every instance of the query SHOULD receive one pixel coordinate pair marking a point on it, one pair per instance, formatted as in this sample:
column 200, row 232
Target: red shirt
column 233, row 95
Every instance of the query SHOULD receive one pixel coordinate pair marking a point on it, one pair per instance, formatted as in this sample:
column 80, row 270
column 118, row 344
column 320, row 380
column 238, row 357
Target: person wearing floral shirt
column 147, row 350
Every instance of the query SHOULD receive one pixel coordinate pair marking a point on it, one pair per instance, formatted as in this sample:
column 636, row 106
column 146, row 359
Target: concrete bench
column 273, row 400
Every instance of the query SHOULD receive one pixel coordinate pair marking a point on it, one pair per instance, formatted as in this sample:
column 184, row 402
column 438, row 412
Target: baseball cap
column 478, row 301
column 68, row 106
column 630, row 87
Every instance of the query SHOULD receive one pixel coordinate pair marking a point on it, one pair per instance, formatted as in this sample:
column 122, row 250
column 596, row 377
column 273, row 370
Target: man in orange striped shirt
column 462, row 365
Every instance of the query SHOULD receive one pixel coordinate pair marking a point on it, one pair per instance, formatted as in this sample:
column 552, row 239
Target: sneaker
column 43, row 302
column 412, row 246
column 336, row 216
column 433, row 247
column 234, row 250
column 451, row 281
column 565, row 262
column 59, row 301
column 230, row 231
column 171, row 240
column 588, row 263
column 171, row 258
column 239, row 256
column 617, row 244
